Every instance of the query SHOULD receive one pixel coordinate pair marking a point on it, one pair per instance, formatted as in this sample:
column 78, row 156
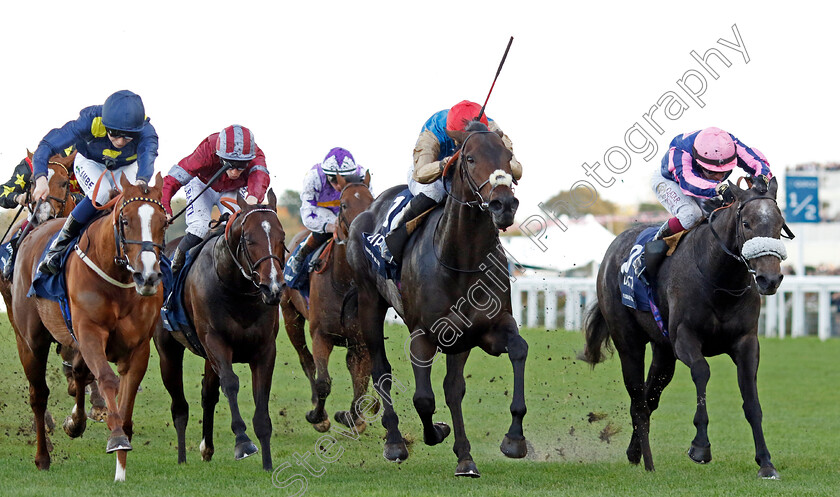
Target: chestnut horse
column 454, row 295
column 231, row 295
column 114, row 299
column 330, row 322
column 709, row 298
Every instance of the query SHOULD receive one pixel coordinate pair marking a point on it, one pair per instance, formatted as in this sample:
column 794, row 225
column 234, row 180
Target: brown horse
column 231, row 295
column 709, row 297
column 329, row 322
column 454, row 295
column 114, row 300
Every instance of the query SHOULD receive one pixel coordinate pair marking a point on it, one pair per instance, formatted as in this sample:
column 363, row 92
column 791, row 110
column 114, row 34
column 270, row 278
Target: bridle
column 343, row 222
column 497, row 178
column 60, row 201
column 119, row 234
column 250, row 273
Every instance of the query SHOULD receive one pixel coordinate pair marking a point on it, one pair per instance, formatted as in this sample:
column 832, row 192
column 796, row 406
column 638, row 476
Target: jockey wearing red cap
column 235, row 148
column 433, row 149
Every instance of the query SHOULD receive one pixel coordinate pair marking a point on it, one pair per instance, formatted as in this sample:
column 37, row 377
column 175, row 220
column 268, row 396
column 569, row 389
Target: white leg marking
column 120, row 474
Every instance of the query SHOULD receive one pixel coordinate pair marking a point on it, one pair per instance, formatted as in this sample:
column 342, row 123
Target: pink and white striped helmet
column 236, row 143
column 714, row 150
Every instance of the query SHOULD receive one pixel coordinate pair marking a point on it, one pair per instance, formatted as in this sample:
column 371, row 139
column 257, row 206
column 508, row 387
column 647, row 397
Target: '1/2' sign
column 803, row 201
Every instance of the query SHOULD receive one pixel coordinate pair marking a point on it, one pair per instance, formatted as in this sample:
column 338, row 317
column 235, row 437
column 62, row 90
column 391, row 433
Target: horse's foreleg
column 513, row 445
column 223, row 362
column 632, row 358
column 422, row 357
column 659, row 376
column 34, row 361
column 98, row 410
column 322, row 348
column 171, row 355
column 294, row 322
column 209, row 399
column 454, row 388
column 261, row 373
column 689, row 351
column 358, row 363
column 746, row 357
column 371, row 319
column 132, row 369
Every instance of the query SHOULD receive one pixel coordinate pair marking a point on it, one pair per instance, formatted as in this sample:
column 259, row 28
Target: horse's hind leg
column 358, row 363
column 33, row 357
column 76, row 422
column 660, row 374
column 98, row 410
column 209, row 399
column 454, row 388
column 261, row 373
column 322, row 347
column 422, row 354
column 745, row 357
column 171, row 355
column 689, row 351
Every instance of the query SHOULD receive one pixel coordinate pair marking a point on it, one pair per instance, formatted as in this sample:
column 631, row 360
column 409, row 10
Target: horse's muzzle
column 147, row 286
column 271, row 294
column 503, row 209
column 768, row 283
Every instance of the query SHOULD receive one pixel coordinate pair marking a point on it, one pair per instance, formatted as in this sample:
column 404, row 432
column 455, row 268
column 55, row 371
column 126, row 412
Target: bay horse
column 59, row 203
column 454, row 296
column 709, row 298
column 231, row 295
column 114, row 298
column 331, row 323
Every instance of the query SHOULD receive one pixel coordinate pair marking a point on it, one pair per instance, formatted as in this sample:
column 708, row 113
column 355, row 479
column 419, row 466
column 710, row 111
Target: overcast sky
column 309, row 76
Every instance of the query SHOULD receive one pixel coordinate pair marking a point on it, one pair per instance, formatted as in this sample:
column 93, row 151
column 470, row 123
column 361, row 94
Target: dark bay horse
column 708, row 295
column 59, row 203
column 114, row 299
column 455, row 294
column 330, row 322
column 231, row 296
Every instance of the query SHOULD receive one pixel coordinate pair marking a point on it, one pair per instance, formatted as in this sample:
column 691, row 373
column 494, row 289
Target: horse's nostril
column 495, row 206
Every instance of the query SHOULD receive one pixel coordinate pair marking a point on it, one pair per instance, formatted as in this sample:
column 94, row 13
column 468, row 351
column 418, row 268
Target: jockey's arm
column 427, row 167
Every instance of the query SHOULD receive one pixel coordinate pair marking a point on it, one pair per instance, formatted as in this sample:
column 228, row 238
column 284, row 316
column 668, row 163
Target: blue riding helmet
column 124, row 111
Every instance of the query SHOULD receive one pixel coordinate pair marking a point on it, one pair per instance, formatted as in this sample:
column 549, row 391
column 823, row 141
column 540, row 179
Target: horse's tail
column 350, row 305
column 597, row 336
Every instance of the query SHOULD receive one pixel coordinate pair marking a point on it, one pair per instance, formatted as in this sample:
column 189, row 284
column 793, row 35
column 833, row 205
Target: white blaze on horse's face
column 275, row 284
column 147, row 259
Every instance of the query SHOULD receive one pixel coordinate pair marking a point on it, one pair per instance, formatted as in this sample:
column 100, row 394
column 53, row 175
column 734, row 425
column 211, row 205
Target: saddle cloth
column 300, row 281
column 636, row 291
column 173, row 316
column 372, row 242
column 54, row 286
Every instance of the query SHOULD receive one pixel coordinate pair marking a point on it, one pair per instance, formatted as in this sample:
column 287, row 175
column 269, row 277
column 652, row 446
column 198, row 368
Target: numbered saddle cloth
column 635, row 289
column 373, row 242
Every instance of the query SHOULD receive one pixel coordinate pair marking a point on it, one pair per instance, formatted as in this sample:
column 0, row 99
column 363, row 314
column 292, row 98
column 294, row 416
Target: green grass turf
column 798, row 387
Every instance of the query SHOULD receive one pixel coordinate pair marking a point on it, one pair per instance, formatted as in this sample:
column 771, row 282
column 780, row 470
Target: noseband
column 250, row 273
column 497, row 178
column 754, row 247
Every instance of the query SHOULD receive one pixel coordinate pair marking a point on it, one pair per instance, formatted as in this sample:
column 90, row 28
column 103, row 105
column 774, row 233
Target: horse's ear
column 339, row 179
column 458, row 136
column 773, row 187
column 366, row 181
column 271, row 199
column 29, row 154
column 240, row 201
column 158, row 179
column 71, row 158
column 124, row 182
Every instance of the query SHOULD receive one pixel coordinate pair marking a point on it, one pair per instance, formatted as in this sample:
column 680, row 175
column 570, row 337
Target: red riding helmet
column 461, row 114
column 236, row 143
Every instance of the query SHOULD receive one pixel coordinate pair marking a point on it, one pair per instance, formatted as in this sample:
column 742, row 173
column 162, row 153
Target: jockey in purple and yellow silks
column 320, row 201
column 116, row 137
column 696, row 167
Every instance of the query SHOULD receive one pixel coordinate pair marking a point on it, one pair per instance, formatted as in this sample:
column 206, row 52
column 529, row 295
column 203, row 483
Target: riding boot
column 395, row 240
column 657, row 249
column 180, row 256
column 306, row 247
column 10, row 262
column 52, row 261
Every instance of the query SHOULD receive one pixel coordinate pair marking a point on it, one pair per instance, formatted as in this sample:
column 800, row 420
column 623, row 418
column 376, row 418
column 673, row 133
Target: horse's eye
column 470, row 160
column 65, row 184
column 746, row 225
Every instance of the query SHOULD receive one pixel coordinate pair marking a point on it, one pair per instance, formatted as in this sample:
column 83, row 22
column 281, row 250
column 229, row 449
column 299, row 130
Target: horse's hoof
column 42, row 463
column 344, row 417
column 361, row 427
column 206, row 452
column 323, row 426
column 72, row 429
column 514, row 448
column 396, row 452
column 769, row 473
column 98, row 414
column 442, row 431
column 700, row 455
column 49, row 422
column 467, row 468
column 244, row 449
column 118, row 443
